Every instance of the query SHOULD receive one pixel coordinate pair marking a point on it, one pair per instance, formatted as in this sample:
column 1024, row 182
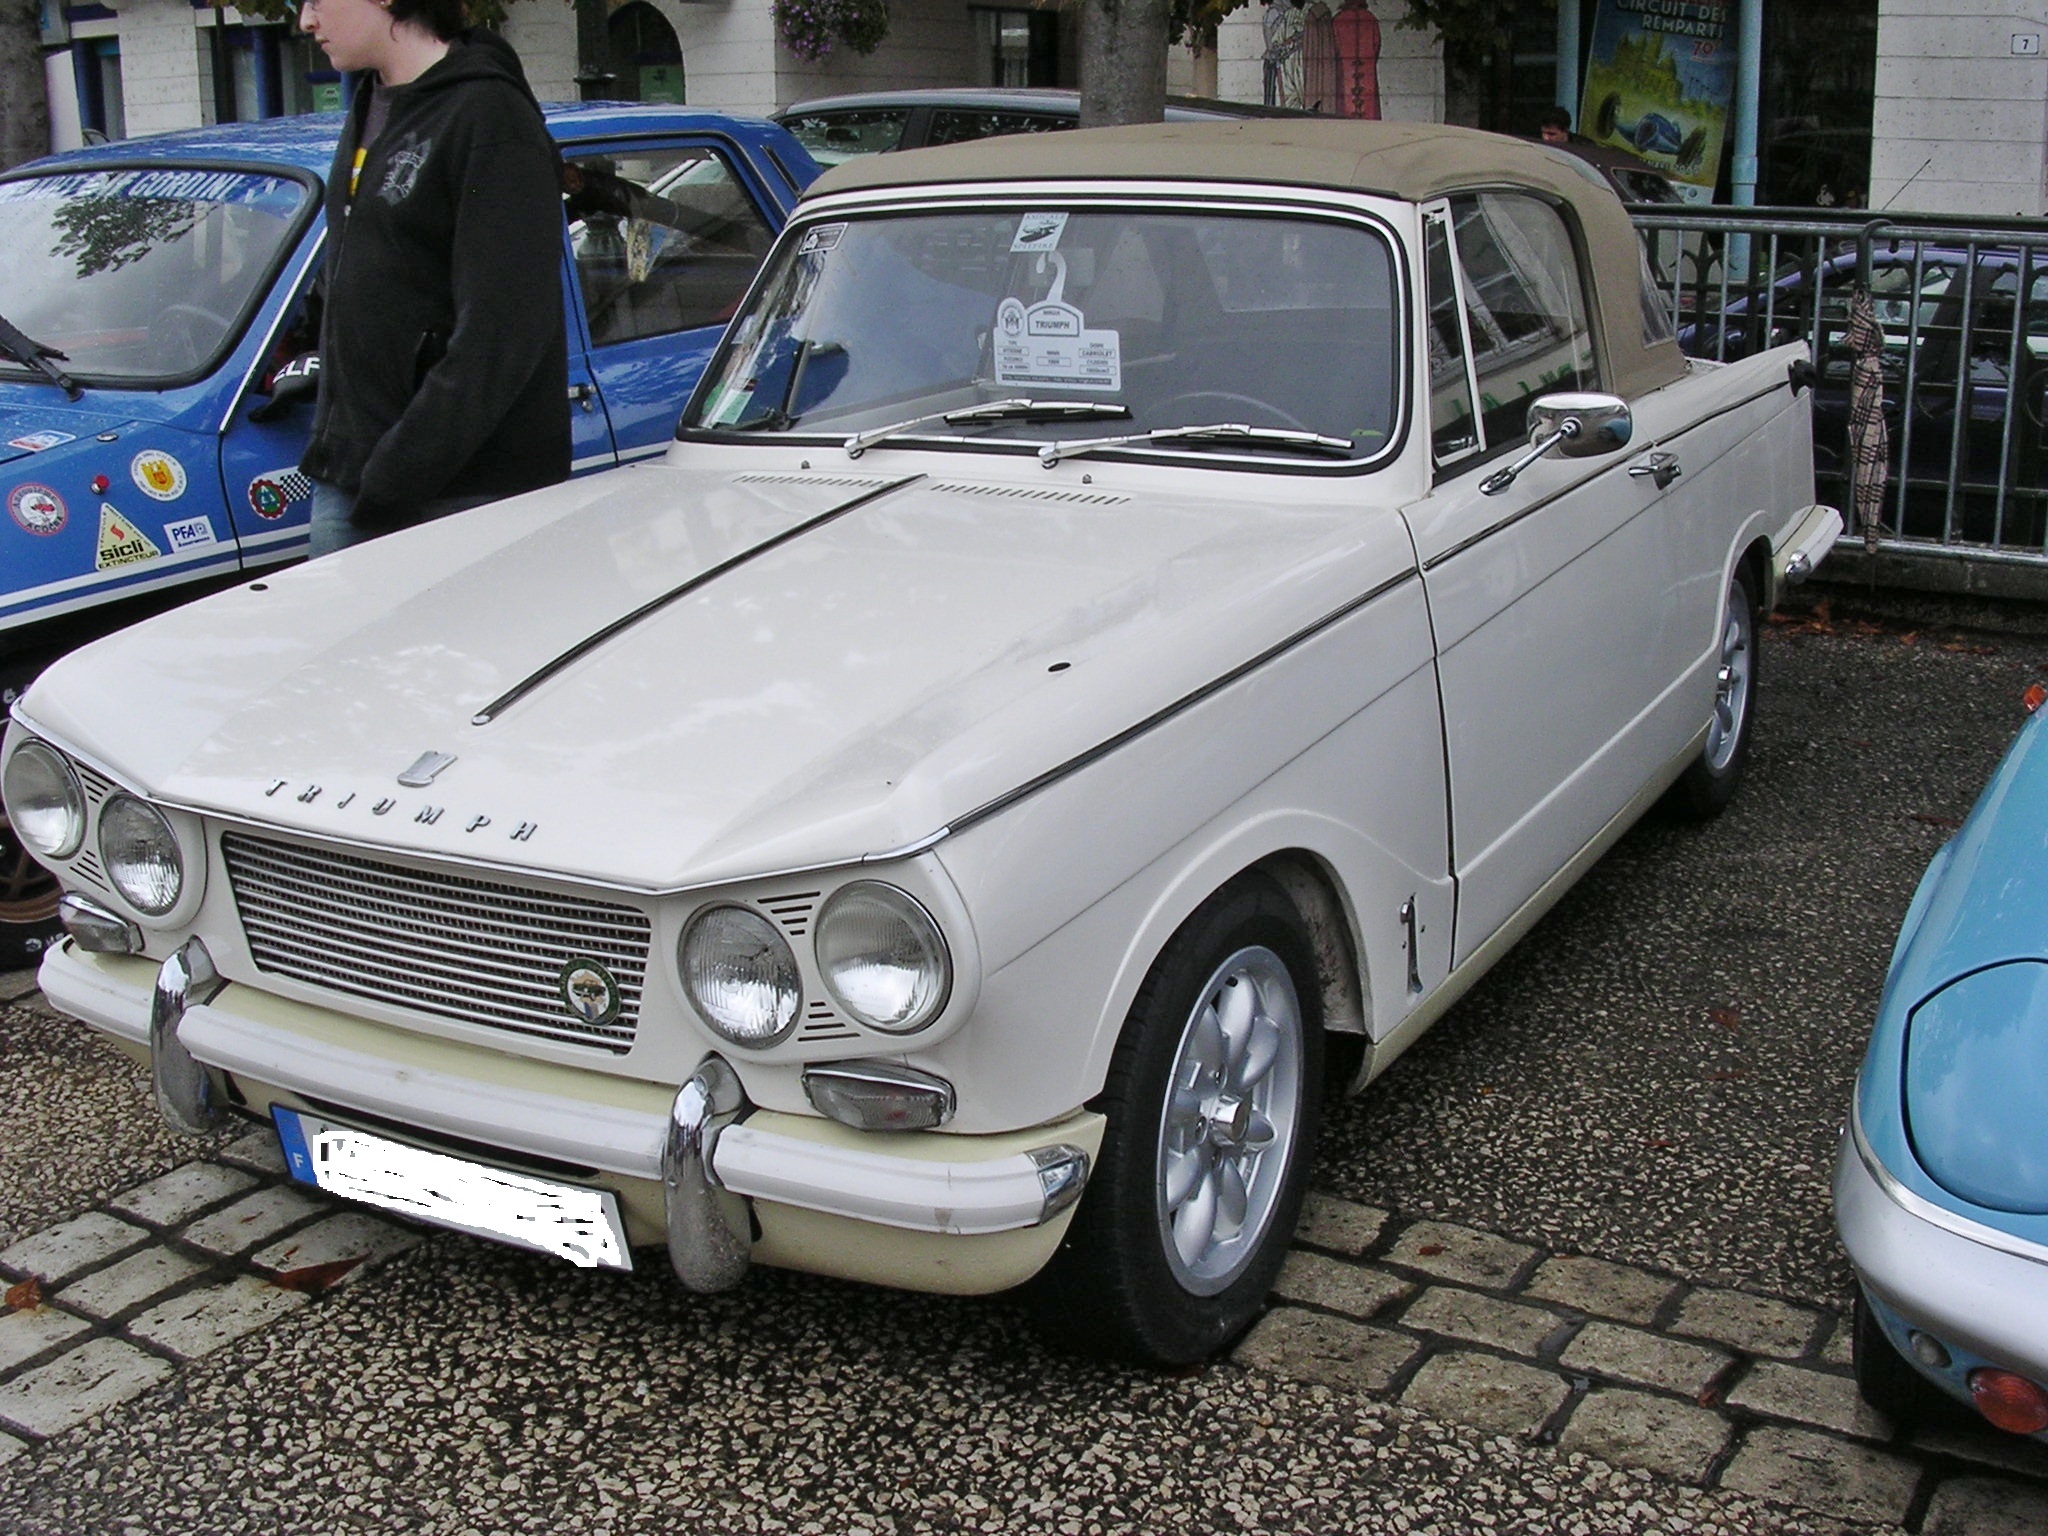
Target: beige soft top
column 1414, row 162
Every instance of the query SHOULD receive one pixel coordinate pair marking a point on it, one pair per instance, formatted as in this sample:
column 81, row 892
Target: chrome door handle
column 1660, row 467
column 582, row 394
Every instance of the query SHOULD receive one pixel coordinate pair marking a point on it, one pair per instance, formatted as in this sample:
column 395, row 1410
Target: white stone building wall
column 160, row 66
column 1960, row 124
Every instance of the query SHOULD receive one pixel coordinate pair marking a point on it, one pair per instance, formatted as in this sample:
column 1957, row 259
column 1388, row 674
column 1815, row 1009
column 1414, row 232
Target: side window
column 835, row 136
column 1453, row 424
column 1525, row 307
column 956, row 126
column 665, row 240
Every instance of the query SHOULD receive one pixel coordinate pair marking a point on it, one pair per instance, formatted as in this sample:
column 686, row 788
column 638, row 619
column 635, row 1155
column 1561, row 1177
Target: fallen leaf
column 1659, row 1144
column 1910, row 637
column 1933, row 820
column 1430, row 1250
column 26, row 1296
column 1961, row 648
column 312, row 1279
column 1727, row 1018
column 1725, row 1075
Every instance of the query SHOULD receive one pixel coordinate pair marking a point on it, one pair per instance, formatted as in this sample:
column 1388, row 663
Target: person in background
column 1554, row 126
column 444, row 363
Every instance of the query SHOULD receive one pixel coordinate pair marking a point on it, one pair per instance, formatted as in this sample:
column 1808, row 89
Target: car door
column 1557, row 601
column 664, row 238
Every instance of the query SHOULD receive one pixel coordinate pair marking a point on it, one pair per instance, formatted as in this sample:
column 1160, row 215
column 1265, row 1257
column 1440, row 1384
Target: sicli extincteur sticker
column 121, row 542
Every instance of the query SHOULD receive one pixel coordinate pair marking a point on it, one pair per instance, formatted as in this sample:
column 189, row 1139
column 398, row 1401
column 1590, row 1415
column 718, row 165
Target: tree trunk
column 24, row 102
column 1123, row 61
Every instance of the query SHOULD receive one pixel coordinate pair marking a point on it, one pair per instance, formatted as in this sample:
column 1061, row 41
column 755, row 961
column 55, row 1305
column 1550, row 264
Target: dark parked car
column 836, row 128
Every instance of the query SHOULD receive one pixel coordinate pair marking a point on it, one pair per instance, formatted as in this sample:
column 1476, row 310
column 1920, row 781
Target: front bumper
column 1979, row 1291
column 696, row 1167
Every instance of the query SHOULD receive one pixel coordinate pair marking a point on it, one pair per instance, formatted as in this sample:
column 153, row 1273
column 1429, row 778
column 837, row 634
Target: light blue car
column 157, row 312
column 1941, row 1189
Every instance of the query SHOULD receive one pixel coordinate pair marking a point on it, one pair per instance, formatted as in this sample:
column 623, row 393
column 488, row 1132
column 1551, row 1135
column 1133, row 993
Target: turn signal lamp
column 2011, row 1402
column 2034, row 697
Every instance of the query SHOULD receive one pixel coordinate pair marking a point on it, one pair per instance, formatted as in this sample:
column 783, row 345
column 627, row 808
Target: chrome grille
column 471, row 950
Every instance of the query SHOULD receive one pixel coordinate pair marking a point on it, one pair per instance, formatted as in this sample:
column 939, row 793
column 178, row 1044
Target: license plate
column 568, row 1221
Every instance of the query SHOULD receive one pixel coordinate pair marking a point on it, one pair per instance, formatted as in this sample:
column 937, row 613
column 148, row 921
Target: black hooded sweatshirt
column 444, row 362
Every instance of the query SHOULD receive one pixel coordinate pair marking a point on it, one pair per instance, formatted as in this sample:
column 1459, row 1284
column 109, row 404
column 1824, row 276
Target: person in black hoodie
column 444, row 363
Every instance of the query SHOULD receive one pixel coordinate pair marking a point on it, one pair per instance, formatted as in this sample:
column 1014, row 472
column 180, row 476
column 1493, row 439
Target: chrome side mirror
column 1574, row 426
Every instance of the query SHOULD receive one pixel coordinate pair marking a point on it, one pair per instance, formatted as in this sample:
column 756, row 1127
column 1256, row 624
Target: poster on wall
column 1660, row 75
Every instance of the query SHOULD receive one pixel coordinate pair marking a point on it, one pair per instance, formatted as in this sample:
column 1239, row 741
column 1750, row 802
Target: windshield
column 140, row 276
column 1175, row 318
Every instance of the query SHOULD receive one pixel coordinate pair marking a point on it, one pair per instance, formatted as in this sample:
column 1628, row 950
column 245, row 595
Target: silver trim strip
column 1923, row 1209
column 710, row 1233
column 184, row 1092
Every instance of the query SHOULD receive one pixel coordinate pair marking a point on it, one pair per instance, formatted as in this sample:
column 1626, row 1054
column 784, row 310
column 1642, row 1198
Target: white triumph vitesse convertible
column 1133, row 625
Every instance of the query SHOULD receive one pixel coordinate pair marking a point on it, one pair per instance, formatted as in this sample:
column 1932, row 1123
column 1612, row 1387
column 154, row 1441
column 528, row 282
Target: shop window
column 646, row 56
column 1016, row 47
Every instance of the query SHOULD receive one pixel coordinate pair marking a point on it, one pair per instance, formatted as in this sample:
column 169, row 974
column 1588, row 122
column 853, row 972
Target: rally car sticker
column 157, row 475
column 272, row 492
column 37, row 509
column 191, row 533
column 121, row 542
column 36, row 442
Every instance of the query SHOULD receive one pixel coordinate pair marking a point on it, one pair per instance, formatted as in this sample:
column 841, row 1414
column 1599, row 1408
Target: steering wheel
column 188, row 333
column 1228, row 400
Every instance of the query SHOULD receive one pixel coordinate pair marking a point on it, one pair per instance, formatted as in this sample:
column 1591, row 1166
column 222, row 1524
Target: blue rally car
column 1941, row 1189
column 158, row 307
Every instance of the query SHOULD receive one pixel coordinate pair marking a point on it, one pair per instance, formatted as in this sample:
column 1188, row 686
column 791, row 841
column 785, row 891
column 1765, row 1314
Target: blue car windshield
column 140, row 276
column 1085, row 320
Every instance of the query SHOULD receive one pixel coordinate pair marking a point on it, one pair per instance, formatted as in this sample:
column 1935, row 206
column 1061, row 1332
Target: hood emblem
column 426, row 767
column 590, row 991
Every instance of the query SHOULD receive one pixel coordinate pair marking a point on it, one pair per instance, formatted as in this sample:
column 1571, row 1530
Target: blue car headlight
column 1976, row 1087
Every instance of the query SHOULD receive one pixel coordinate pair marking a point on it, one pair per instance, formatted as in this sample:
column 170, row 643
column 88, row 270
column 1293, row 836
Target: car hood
column 29, row 429
column 764, row 671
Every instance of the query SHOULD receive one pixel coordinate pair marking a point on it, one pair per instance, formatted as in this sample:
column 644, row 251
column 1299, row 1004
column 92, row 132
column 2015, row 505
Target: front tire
column 1212, row 1102
column 1710, row 783
column 1885, row 1378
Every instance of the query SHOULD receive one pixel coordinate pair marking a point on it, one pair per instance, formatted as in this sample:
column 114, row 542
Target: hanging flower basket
column 811, row 29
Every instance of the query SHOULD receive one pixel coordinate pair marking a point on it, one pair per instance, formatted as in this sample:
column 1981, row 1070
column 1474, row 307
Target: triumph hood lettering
column 838, row 693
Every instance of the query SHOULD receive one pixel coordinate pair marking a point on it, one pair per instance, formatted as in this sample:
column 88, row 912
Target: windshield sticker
column 157, row 475
column 37, row 509
column 121, row 542
column 1039, row 232
column 819, row 241
column 1050, row 343
column 192, row 533
column 270, row 193
column 271, row 494
column 36, row 442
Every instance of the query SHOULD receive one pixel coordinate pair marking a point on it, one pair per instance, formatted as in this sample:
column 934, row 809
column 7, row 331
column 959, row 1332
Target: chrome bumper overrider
column 711, row 1153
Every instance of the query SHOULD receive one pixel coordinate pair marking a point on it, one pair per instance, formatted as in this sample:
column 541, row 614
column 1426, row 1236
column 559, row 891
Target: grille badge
column 590, row 992
column 425, row 769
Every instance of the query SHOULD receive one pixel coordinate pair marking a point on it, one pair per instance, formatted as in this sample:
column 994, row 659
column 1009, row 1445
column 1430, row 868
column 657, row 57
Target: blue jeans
column 333, row 526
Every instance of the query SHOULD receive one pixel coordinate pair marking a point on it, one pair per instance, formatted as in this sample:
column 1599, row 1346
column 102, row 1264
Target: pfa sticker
column 1039, row 232
column 37, row 509
column 121, row 542
column 1050, row 343
column 157, row 475
column 192, row 533
column 817, row 242
column 36, row 442
column 271, row 494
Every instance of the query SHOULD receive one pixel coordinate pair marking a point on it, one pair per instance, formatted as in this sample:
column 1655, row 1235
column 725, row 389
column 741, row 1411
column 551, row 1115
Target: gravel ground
column 1655, row 1078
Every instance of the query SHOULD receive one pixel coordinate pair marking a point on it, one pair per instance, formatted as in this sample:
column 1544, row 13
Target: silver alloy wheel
column 1228, row 1130
column 1732, row 683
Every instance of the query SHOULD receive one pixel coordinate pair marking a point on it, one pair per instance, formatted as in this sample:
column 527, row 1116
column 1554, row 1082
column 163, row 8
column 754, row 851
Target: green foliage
column 1473, row 29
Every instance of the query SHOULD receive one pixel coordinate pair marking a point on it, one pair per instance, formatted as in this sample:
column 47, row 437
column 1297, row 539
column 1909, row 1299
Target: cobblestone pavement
column 1569, row 1267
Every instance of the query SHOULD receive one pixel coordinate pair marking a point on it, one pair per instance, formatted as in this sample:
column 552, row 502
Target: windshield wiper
column 1214, row 432
column 994, row 410
column 33, row 354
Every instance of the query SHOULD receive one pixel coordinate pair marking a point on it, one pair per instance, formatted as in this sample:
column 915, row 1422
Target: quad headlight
column 740, row 975
column 883, row 958
column 45, row 804
column 140, row 853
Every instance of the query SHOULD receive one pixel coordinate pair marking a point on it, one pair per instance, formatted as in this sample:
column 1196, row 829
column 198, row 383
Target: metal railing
column 1963, row 307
